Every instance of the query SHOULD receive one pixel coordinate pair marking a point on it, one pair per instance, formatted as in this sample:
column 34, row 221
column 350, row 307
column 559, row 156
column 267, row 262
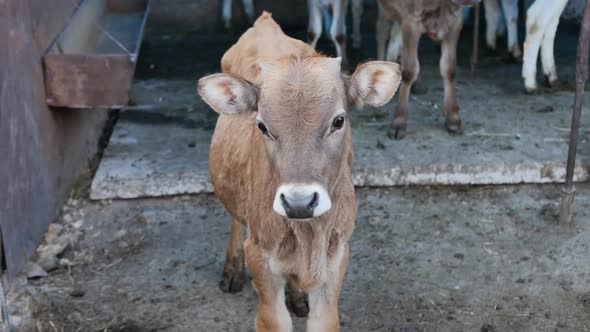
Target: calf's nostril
column 314, row 202
column 284, row 201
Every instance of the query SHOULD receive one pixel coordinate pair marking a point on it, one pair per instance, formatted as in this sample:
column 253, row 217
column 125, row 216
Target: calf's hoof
column 396, row 133
column 232, row 281
column 491, row 51
column 511, row 59
column 454, row 127
column 552, row 84
column 297, row 303
column 531, row 90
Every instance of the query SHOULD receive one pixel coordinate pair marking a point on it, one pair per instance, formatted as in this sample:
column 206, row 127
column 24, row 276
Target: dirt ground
column 422, row 258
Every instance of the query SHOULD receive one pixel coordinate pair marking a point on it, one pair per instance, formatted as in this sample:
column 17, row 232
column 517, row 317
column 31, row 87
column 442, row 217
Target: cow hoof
column 397, row 129
column 454, row 128
column 553, row 85
column 531, row 91
column 232, row 281
column 298, row 304
column 491, row 51
column 511, row 59
column 396, row 133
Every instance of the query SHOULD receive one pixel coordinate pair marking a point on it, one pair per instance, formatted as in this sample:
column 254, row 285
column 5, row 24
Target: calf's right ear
column 228, row 94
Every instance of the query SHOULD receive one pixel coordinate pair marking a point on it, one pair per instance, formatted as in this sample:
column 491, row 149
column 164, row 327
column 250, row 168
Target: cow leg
column 510, row 8
column 226, row 13
column 357, row 14
column 249, row 9
column 448, row 64
column 534, row 37
column 382, row 34
column 547, row 54
column 314, row 30
column 296, row 299
column 234, row 273
column 394, row 47
column 338, row 28
column 323, row 301
column 501, row 28
column 272, row 315
column 410, row 71
column 492, row 13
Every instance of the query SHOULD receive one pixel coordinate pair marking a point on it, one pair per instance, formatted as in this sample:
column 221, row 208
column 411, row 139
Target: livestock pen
column 455, row 232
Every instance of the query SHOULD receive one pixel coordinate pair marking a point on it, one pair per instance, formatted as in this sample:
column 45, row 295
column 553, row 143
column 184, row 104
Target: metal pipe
column 566, row 212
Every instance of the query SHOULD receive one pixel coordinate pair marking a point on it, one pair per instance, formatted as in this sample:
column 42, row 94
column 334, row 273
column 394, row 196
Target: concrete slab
column 509, row 137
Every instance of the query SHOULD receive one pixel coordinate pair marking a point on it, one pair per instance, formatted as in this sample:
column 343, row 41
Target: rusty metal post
column 566, row 213
column 475, row 38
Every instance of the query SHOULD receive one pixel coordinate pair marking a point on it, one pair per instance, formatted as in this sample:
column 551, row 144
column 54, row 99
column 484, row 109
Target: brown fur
column 296, row 93
column 245, row 179
column 441, row 20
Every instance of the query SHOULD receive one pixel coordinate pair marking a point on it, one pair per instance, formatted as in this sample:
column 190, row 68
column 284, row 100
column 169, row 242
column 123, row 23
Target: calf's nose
column 296, row 201
column 299, row 206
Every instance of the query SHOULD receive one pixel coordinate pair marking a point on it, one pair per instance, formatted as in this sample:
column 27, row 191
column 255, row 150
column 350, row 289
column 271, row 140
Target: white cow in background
column 493, row 15
column 542, row 19
column 337, row 25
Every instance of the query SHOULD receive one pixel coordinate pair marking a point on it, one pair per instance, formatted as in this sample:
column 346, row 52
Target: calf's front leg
column 338, row 29
column 410, row 70
column 492, row 13
column 314, row 30
column 234, row 273
column 323, row 301
column 394, row 47
column 226, row 13
column 510, row 8
column 272, row 315
column 448, row 64
column 547, row 57
column 382, row 35
column 357, row 14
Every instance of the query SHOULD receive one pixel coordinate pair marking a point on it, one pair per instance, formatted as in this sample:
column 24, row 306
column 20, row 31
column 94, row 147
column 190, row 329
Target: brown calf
column 281, row 164
column 441, row 20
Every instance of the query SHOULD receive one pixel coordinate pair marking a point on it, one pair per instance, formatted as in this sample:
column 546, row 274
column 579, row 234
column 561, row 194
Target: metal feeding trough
column 92, row 61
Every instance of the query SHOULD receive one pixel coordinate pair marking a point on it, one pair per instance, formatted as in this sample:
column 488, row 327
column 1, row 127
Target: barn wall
column 42, row 150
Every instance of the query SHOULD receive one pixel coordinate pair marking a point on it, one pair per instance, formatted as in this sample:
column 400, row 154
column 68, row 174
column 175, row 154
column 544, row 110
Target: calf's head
column 301, row 108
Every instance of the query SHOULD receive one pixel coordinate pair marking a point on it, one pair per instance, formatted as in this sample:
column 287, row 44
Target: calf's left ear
column 228, row 94
column 373, row 83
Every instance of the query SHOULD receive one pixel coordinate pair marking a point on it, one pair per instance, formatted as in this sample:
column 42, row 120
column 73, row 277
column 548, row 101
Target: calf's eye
column 262, row 128
column 338, row 122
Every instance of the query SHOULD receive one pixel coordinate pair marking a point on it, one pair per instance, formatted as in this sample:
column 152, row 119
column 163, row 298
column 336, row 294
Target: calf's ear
column 373, row 83
column 228, row 94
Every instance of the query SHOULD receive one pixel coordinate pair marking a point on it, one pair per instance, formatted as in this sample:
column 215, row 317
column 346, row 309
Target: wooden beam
column 81, row 81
